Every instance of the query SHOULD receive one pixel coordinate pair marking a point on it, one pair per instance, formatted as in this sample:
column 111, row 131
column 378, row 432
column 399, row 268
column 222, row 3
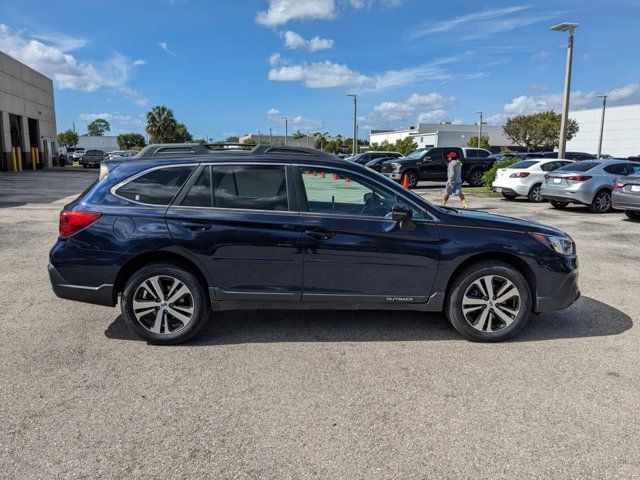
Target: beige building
column 27, row 114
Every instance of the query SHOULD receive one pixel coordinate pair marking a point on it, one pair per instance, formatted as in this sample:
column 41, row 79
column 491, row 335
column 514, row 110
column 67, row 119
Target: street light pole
column 604, row 107
column 286, row 129
column 307, row 138
column 564, row 27
column 259, row 137
column 479, row 129
column 270, row 137
column 355, row 121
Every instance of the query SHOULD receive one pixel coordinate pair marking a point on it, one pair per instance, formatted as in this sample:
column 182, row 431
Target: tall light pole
column 564, row 27
column 479, row 129
column 355, row 121
column 286, row 129
column 270, row 137
column 307, row 138
column 604, row 107
column 259, row 137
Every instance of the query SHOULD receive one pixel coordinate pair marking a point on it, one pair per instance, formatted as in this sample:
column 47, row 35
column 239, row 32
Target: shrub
column 490, row 175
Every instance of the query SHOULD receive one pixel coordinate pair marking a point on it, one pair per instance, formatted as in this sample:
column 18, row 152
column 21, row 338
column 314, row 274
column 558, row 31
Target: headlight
column 562, row 245
column 396, row 166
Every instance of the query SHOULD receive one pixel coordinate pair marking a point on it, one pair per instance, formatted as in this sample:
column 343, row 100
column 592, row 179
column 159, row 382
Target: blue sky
column 232, row 67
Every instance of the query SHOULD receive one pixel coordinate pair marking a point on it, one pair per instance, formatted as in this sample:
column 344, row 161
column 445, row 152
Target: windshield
column 578, row 167
column 415, row 155
column 525, row 164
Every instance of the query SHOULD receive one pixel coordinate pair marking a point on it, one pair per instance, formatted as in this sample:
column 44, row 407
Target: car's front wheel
column 475, row 178
column 164, row 304
column 489, row 302
column 412, row 178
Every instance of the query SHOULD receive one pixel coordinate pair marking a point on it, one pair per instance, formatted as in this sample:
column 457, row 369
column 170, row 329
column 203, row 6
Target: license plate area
column 635, row 188
column 557, row 180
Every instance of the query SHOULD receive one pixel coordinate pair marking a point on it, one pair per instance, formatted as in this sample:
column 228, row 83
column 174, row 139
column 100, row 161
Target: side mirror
column 402, row 214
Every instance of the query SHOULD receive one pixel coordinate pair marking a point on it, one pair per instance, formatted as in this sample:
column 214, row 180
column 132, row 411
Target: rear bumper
column 569, row 196
column 99, row 295
column 513, row 188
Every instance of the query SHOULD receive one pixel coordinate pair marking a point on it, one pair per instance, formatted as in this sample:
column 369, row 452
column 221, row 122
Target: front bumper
column 397, row 176
column 99, row 295
column 562, row 294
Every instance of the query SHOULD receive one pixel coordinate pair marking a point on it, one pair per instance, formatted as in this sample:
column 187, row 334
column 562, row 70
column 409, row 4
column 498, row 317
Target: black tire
column 601, row 202
column 509, row 196
column 632, row 215
column 558, row 205
column 84, row 165
column 502, row 273
column 475, row 178
column 167, row 335
column 534, row 194
column 412, row 178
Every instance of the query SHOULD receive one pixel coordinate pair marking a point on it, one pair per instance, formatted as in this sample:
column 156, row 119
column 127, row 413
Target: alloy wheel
column 163, row 304
column 491, row 303
column 476, row 179
column 412, row 179
column 603, row 202
column 536, row 196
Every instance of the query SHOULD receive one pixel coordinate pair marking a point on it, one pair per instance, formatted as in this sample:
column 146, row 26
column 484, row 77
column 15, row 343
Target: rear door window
column 200, row 194
column 156, row 187
column 250, row 187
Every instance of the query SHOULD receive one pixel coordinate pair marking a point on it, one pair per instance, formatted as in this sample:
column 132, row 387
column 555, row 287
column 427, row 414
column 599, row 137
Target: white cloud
column 66, row 70
column 293, row 40
column 280, row 12
column 369, row 3
column 118, row 122
column 165, row 47
column 426, row 108
column 295, row 122
column 527, row 104
column 327, row 74
column 482, row 23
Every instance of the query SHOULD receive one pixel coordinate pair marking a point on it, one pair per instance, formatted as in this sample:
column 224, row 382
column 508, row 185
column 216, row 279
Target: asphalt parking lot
column 293, row 395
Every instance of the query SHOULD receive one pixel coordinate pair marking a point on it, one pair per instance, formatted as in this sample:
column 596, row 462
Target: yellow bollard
column 33, row 158
column 38, row 156
column 19, row 155
column 13, row 159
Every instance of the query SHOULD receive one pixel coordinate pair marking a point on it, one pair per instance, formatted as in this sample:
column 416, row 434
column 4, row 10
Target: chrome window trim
column 373, row 180
column 113, row 189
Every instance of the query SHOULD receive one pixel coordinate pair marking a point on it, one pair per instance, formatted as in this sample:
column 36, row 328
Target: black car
column 173, row 237
column 376, row 164
column 366, row 157
column 577, row 156
column 430, row 164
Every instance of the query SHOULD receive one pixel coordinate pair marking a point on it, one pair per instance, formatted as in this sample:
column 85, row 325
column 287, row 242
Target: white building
column 27, row 114
column 106, row 143
column 621, row 131
column 428, row 135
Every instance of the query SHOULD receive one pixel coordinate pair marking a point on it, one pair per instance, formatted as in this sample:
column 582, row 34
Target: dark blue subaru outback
column 180, row 231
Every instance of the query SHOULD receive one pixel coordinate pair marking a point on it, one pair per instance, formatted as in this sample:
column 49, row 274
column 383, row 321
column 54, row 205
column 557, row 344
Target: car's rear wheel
column 489, row 302
column 559, row 205
column 509, row 196
column 164, row 304
column 475, row 178
column 632, row 215
column 601, row 202
column 534, row 194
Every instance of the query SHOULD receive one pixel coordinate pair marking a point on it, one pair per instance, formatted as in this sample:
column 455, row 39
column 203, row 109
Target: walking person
column 454, row 180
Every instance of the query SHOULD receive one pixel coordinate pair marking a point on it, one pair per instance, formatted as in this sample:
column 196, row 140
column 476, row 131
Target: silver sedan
column 626, row 196
column 589, row 182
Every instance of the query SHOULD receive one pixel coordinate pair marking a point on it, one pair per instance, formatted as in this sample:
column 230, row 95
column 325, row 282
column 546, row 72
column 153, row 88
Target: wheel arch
column 139, row 261
column 504, row 257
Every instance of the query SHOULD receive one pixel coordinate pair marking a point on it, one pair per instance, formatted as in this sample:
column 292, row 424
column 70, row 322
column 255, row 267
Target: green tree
column 129, row 141
column 484, row 142
column 68, row 139
column 98, row 127
column 181, row 134
column 405, row 146
column 161, row 124
column 321, row 139
column 250, row 141
column 298, row 136
column 538, row 130
column 233, row 139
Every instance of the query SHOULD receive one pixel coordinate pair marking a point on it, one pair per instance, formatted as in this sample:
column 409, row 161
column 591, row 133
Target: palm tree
column 298, row 136
column 161, row 125
column 321, row 139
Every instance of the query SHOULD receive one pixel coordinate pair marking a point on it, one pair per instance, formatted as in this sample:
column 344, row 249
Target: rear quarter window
column 156, row 187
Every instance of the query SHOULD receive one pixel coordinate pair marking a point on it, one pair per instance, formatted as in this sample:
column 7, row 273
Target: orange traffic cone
column 405, row 181
column 315, row 174
column 347, row 180
column 322, row 175
column 335, row 176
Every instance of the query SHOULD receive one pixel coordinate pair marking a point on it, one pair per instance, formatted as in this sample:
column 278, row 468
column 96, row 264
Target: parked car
column 92, row 158
column 476, row 152
column 376, row 164
column 525, row 178
column 177, row 237
column 578, row 156
column 121, row 154
column 501, row 157
column 626, row 195
column 430, row 164
column 366, row 157
column 76, row 154
column 589, row 182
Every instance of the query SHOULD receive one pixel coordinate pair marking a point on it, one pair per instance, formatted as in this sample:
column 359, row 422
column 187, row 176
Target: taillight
column 72, row 221
column 546, row 176
column 618, row 185
column 519, row 175
column 579, row 178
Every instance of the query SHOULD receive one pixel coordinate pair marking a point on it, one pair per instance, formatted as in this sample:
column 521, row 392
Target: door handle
column 197, row 227
column 319, row 235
